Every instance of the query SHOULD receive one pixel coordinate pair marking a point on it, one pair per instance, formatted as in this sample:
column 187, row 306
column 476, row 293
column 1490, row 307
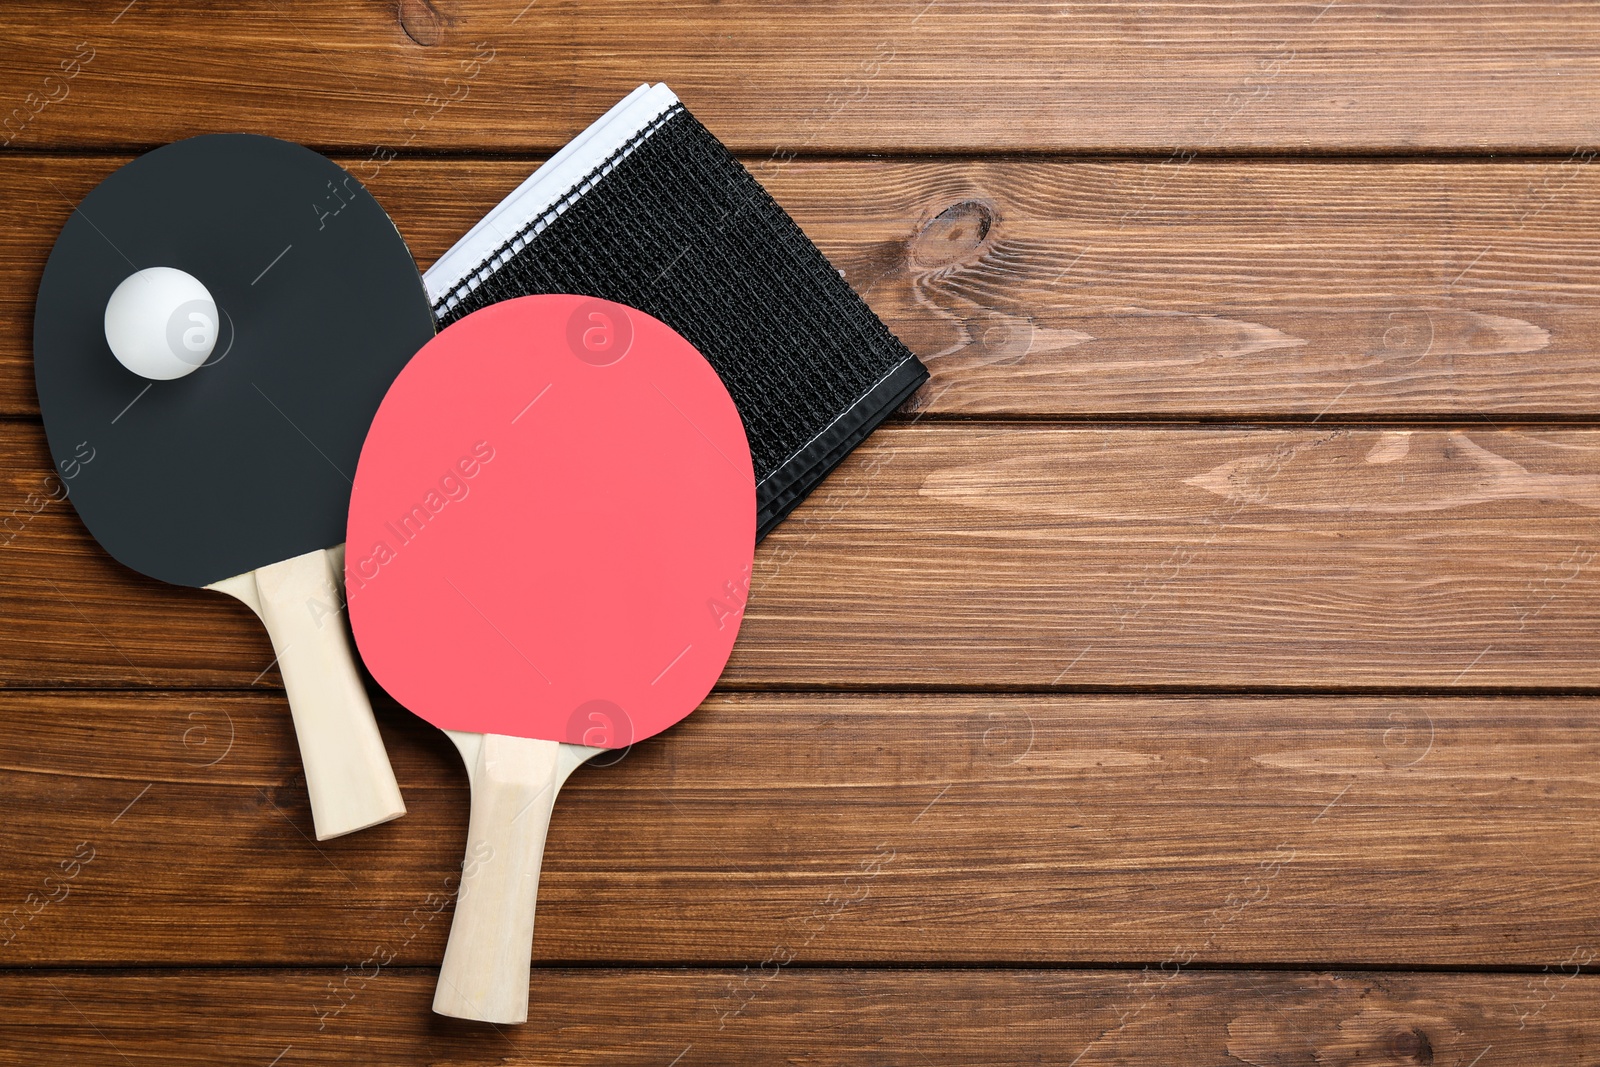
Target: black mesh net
column 679, row 229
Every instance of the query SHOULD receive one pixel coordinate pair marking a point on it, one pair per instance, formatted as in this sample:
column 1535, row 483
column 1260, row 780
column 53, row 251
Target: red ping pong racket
column 215, row 327
column 549, row 546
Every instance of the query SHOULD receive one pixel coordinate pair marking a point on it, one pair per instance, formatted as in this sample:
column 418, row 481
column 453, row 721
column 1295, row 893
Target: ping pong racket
column 218, row 322
column 549, row 548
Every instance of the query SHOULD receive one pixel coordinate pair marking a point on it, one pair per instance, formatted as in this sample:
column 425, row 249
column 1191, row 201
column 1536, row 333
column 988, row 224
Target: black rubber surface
column 247, row 461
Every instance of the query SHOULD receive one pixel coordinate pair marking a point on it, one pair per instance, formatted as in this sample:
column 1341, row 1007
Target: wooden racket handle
column 487, row 960
column 348, row 776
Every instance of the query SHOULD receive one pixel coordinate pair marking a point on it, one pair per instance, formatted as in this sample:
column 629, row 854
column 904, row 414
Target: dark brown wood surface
column 912, row 828
column 1201, row 669
column 648, row 1017
column 1033, row 557
column 1129, row 289
column 1168, row 76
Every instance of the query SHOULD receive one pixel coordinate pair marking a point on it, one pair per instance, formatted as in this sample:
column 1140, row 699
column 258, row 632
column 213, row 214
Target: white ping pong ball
column 161, row 323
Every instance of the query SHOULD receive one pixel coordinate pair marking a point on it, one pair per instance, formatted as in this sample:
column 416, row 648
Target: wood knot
column 1411, row 1046
column 422, row 22
column 953, row 235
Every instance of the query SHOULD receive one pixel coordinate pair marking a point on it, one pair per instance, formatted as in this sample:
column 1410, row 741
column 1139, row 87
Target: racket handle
column 348, row 776
column 486, row 965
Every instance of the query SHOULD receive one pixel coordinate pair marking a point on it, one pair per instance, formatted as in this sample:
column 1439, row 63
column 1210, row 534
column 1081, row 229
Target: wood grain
column 1329, row 291
column 919, row 75
column 824, row 1017
column 1036, row 557
column 1028, row 557
column 1220, row 620
column 847, row 828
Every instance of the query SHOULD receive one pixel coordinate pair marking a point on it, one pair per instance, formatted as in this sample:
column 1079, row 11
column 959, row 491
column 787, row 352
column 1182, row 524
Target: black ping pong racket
column 228, row 465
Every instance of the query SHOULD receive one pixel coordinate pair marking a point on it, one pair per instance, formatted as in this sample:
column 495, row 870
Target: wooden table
column 1203, row 669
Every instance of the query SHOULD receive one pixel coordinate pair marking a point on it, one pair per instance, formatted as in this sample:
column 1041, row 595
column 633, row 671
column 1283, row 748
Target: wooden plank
column 832, row 76
column 1027, row 557
column 1128, row 289
column 158, row 827
column 1036, row 557
column 821, row 1017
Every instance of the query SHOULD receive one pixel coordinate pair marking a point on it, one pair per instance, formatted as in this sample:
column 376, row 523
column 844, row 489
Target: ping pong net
column 647, row 208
